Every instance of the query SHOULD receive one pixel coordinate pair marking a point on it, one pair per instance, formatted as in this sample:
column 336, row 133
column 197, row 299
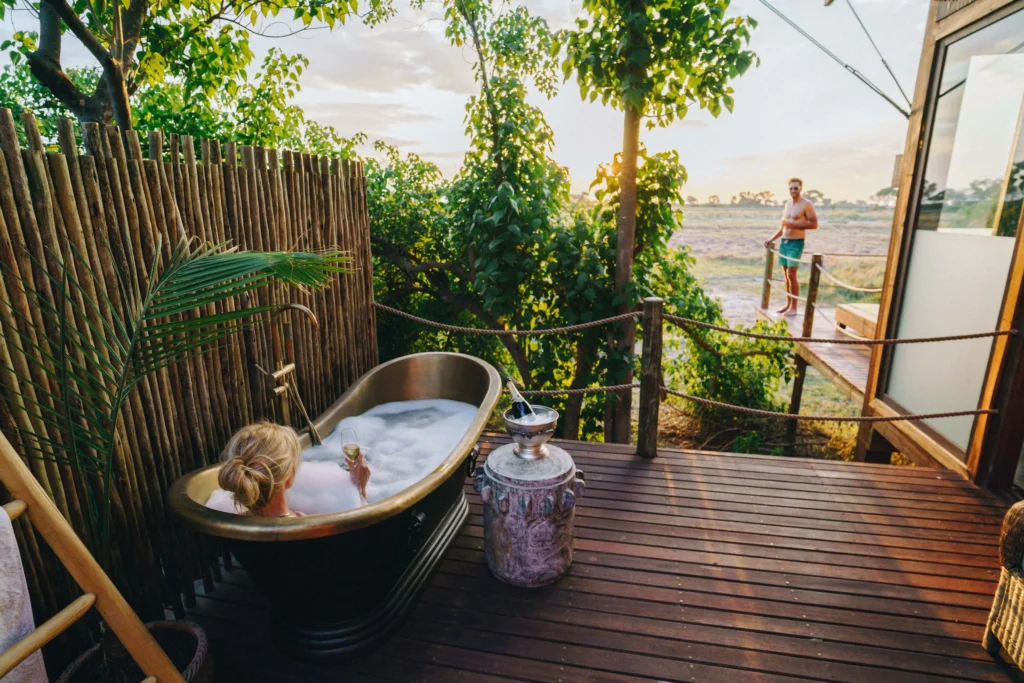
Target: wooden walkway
column 695, row 567
column 844, row 365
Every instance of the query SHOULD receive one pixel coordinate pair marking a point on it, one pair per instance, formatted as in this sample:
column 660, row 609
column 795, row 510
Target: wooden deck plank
column 844, row 364
column 756, row 543
column 748, row 626
column 675, row 639
column 655, row 572
column 784, row 484
column 909, row 507
column 770, row 531
column 694, row 567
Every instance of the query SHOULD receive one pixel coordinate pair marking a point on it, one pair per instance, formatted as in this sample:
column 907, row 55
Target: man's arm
column 774, row 237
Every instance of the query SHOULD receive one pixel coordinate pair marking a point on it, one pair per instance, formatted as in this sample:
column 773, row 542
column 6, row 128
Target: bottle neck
column 514, row 392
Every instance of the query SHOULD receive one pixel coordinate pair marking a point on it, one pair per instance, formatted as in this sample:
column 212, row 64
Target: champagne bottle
column 520, row 408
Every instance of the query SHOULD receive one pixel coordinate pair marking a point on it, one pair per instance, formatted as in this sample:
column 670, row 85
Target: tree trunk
column 619, row 430
column 117, row 89
column 51, row 73
column 574, row 404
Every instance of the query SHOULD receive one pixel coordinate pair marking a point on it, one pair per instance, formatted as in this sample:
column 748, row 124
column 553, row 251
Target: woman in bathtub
column 260, row 464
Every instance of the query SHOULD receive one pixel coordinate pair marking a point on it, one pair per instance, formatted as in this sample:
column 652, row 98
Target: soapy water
column 401, row 441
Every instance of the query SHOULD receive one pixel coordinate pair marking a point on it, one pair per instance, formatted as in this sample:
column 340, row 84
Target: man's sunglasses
column 794, row 187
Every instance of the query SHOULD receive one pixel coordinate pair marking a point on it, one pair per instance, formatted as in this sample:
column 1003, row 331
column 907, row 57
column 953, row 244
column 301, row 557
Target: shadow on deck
column 695, row 567
column 845, row 365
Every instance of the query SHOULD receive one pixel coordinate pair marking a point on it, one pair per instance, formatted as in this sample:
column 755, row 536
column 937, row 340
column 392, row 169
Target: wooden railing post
column 650, row 379
column 801, row 364
column 766, row 286
column 812, row 293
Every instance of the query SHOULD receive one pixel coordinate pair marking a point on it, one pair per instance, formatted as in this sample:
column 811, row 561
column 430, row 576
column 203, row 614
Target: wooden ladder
column 30, row 498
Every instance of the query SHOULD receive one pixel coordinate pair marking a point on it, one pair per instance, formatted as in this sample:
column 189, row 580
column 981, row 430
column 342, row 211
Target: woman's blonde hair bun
column 259, row 459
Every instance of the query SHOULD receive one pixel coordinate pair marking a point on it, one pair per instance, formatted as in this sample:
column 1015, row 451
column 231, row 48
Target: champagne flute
column 350, row 445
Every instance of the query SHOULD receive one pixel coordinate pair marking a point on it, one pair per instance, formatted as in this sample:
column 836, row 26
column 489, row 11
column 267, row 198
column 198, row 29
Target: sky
column 798, row 113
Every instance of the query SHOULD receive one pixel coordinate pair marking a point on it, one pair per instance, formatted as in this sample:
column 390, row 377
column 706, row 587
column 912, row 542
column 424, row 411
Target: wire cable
column 861, row 77
column 878, row 52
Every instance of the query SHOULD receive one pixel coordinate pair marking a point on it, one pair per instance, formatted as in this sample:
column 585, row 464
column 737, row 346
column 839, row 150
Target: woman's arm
column 359, row 471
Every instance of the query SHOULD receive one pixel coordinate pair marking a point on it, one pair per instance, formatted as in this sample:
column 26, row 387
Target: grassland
column 728, row 242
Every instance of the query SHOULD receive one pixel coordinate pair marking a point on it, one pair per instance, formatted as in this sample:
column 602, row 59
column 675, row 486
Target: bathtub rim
column 240, row 527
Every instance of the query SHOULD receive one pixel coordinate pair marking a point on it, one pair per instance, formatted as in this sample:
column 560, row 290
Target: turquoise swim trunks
column 790, row 252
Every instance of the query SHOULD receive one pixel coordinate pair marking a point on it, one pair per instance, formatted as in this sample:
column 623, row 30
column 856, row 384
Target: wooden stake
column 650, row 379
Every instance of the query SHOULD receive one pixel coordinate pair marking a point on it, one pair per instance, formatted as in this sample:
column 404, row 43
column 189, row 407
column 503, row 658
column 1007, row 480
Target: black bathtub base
column 333, row 642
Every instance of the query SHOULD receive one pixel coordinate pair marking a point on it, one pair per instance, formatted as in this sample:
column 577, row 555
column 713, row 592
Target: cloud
column 410, row 50
column 366, row 116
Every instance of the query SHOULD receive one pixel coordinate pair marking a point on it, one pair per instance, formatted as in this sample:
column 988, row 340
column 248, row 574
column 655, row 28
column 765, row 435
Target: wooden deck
column 696, row 567
column 844, row 364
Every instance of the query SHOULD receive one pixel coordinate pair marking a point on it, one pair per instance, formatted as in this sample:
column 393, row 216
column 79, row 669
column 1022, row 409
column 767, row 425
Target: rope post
column 650, row 379
column 766, row 286
column 801, row 364
column 817, row 260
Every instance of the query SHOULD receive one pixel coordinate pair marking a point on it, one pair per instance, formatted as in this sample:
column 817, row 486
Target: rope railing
column 685, row 322
column 782, row 282
column 757, row 411
column 845, row 285
column 506, row 333
column 580, row 392
column 653, row 317
column 849, row 254
column 788, row 258
column 824, row 418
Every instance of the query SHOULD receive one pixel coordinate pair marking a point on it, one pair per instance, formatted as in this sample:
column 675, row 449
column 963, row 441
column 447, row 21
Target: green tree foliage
column 818, row 198
column 502, row 245
column 200, row 45
column 653, row 60
column 20, row 92
column 710, row 364
column 261, row 111
column 763, row 198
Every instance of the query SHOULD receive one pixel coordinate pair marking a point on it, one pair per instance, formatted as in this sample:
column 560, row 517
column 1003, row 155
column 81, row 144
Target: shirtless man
column 797, row 217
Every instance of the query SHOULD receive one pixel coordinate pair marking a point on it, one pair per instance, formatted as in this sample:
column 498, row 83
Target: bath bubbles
column 322, row 487
column 401, row 441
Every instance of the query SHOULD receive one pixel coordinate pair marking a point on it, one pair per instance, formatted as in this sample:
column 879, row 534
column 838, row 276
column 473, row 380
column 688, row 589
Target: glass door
column 964, row 226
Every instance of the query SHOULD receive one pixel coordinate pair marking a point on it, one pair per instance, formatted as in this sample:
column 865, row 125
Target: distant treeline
column 886, row 197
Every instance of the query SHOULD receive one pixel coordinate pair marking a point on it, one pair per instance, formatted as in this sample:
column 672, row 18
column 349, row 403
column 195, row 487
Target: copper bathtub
column 340, row 583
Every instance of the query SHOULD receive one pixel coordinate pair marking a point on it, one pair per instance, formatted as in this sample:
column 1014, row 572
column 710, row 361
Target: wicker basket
column 1006, row 620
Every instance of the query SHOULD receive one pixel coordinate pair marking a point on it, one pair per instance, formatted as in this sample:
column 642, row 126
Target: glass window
column 974, row 182
column 966, row 223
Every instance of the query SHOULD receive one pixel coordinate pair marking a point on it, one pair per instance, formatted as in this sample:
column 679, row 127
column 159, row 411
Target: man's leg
column 794, row 289
column 785, row 277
